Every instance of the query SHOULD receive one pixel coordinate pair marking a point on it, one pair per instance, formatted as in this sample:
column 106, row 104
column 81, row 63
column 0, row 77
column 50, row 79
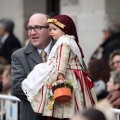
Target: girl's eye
column 54, row 28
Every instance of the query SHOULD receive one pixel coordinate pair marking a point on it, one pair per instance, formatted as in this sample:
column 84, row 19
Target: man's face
column 116, row 62
column 38, row 35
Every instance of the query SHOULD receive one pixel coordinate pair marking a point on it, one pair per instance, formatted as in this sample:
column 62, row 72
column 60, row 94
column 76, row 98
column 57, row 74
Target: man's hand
column 114, row 98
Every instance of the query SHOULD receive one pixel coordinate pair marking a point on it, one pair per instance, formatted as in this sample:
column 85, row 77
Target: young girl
column 64, row 62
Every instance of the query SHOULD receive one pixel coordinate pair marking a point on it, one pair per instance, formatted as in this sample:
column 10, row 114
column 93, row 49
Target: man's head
column 6, row 26
column 38, row 30
column 112, row 28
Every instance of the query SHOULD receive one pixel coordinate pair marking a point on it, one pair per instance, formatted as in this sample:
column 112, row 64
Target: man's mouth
column 35, row 38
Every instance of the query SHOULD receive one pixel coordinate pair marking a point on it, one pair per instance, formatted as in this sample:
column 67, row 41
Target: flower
column 53, row 86
column 61, row 83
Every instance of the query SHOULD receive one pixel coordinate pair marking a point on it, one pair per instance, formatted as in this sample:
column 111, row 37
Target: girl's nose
column 51, row 32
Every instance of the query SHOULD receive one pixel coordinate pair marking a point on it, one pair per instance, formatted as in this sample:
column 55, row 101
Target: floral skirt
column 83, row 96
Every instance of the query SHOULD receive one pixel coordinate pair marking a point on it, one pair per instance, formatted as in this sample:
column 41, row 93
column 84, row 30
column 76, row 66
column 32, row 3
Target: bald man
column 24, row 60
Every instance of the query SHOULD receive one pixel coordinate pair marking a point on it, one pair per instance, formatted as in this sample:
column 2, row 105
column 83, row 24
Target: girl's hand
column 61, row 76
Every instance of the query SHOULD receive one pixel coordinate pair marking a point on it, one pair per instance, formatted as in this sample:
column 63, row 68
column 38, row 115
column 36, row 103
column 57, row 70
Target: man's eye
column 28, row 28
column 37, row 27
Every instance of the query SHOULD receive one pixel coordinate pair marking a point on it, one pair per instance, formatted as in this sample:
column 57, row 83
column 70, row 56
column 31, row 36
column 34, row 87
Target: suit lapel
column 33, row 54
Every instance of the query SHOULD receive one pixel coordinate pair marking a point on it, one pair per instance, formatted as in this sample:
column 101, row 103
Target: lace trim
column 36, row 79
column 69, row 40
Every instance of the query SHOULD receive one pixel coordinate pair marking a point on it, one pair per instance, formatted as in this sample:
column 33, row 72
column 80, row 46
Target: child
column 64, row 62
column 114, row 81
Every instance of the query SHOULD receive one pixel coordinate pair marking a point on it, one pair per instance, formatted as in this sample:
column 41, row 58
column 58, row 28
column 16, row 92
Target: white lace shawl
column 42, row 72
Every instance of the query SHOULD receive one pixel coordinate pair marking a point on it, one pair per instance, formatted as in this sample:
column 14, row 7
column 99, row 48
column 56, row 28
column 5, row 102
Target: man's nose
column 33, row 31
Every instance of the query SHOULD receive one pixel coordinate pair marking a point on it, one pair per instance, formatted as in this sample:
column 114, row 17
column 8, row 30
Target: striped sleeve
column 63, row 58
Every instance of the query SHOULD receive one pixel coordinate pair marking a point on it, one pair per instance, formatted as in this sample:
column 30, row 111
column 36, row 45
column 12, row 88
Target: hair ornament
column 56, row 22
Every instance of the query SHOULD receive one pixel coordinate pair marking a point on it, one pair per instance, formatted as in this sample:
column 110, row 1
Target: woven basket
column 62, row 95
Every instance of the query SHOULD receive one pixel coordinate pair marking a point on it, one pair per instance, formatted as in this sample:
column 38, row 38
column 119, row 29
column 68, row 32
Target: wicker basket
column 62, row 95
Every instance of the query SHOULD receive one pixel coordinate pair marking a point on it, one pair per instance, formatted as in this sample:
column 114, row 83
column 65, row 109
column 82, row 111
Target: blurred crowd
column 104, row 70
column 8, row 44
column 103, row 67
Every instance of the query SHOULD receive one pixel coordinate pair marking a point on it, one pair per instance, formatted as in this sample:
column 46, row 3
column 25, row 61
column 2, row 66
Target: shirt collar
column 47, row 49
column 4, row 38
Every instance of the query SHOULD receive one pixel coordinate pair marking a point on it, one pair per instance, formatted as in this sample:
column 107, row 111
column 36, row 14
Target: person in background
column 25, row 59
column 8, row 43
column 1, row 78
column 113, row 87
column 101, row 111
column 111, row 41
column 4, row 82
column 105, row 107
column 114, row 82
column 7, row 77
column 90, row 114
column 99, row 72
column 114, row 60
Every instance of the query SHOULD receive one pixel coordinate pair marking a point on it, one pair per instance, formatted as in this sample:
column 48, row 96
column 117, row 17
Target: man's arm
column 17, row 76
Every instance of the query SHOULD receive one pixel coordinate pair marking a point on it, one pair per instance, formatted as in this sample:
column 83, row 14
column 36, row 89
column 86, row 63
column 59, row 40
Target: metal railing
column 11, row 109
column 117, row 112
column 8, row 107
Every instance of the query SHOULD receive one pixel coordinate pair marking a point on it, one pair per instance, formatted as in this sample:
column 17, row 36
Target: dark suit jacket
column 11, row 44
column 23, row 61
column 111, row 44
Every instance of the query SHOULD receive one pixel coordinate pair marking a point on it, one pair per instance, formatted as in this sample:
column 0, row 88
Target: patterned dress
column 66, row 59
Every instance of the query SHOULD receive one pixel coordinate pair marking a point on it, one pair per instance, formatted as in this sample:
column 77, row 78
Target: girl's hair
column 67, row 25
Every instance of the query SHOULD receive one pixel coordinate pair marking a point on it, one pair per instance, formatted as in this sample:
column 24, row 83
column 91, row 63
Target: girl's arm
column 62, row 60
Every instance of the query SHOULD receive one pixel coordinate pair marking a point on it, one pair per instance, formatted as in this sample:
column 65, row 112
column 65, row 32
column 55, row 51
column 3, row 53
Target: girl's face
column 55, row 32
column 111, row 86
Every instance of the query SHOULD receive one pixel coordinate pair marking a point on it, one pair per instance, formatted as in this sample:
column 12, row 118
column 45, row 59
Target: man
column 8, row 43
column 111, row 41
column 24, row 60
